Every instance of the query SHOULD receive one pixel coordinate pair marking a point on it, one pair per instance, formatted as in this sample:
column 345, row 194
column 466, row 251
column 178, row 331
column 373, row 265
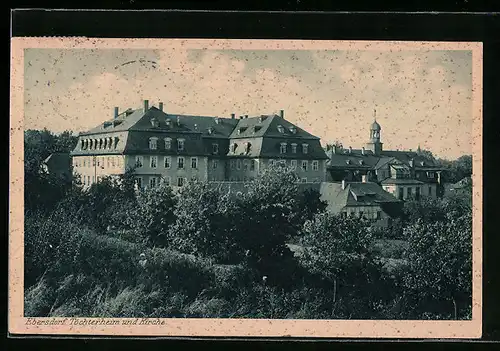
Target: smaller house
column 361, row 199
column 58, row 164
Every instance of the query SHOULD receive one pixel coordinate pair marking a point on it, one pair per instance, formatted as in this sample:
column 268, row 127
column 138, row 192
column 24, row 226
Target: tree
column 438, row 277
column 204, row 223
column 339, row 250
column 267, row 218
column 155, row 214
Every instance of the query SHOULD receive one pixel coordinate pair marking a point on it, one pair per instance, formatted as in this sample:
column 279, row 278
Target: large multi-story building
column 405, row 174
column 159, row 146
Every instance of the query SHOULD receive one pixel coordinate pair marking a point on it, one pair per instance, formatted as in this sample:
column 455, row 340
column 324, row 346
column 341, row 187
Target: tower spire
column 375, row 114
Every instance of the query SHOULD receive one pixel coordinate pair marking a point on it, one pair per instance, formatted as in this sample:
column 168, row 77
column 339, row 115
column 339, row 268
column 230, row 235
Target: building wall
column 92, row 168
column 171, row 174
column 306, row 176
column 429, row 190
column 218, row 173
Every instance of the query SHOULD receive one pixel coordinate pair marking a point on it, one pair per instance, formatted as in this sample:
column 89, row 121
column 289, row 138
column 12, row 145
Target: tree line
column 203, row 252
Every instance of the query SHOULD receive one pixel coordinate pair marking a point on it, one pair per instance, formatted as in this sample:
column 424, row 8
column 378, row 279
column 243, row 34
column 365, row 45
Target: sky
column 420, row 97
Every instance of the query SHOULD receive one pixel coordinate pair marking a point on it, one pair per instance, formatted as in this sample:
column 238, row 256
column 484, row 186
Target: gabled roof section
column 419, row 161
column 354, row 194
column 268, row 126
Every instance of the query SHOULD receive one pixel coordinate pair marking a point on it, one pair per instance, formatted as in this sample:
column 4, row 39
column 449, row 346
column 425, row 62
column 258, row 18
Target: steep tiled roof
column 406, row 156
column 355, row 159
column 354, row 194
column 269, row 126
column 58, row 162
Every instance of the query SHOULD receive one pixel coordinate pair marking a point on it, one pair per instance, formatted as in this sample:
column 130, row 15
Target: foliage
column 154, row 214
column 440, row 263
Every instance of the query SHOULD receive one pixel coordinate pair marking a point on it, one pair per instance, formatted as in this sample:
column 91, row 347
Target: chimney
column 232, row 115
column 116, row 112
column 343, row 184
column 246, row 116
column 350, row 150
column 364, row 178
column 146, row 105
column 241, row 117
column 362, row 151
column 411, row 163
column 282, row 114
column 160, row 106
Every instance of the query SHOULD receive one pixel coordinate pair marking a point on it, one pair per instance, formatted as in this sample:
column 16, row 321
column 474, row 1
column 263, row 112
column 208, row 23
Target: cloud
column 420, row 97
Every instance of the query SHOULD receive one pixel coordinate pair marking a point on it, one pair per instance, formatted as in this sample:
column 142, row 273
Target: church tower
column 374, row 144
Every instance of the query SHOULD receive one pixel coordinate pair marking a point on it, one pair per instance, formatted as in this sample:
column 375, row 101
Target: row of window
column 284, row 148
column 153, row 143
column 304, row 166
column 103, row 161
column 155, row 181
column 167, row 162
column 360, row 214
column 99, row 144
column 410, row 193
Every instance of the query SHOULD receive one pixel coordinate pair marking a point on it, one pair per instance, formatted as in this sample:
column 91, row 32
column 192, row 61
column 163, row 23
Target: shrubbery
column 110, row 252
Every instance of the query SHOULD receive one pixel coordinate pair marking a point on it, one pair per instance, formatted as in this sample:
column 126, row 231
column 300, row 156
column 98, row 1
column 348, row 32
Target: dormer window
column 180, row 144
column 116, row 142
column 422, row 163
column 82, row 143
column 178, row 121
column 155, row 123
column 361, row 162
column 294, row 148
column 105, row 143
column 100, row 144
column 293, row 130
column 153, row 143
column 248, row 147
column 168, row 122
column 217, row 120
column 256, row 129
column 348, row 162
column 281, row 129
column 283, row 148
column 233, row 148
column 210, row 130
column 305, row 148
column 110, row 142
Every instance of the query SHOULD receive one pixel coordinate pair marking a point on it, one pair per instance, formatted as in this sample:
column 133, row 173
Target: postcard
column 245, row 188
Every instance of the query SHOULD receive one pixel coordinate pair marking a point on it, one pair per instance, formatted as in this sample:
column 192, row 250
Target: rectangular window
column 283, row 148
column 167, row 162
column 379, row 215
column 304, row 165
column 153, row 161
column 98, row 161
column 245, row 165
column 152, row 182
column 232, row 164
column 180, row 145
column 409, row 193
column 168, row 143
column 304, row 180
column 417, row 193
column 84, row 162
column 153, row 143
column 430, row 191
column 180, row 181
column 215, row 164
column 167, row 180
column 238, row 164
column 113, row 161
column 194, row 162
column 138, row 161
column 305, row 148
column 294, row 148
column 400, row 193
column 252, row 165
column 215, row 148
column 315, row 165
column 180, row 162
column 293, row 164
